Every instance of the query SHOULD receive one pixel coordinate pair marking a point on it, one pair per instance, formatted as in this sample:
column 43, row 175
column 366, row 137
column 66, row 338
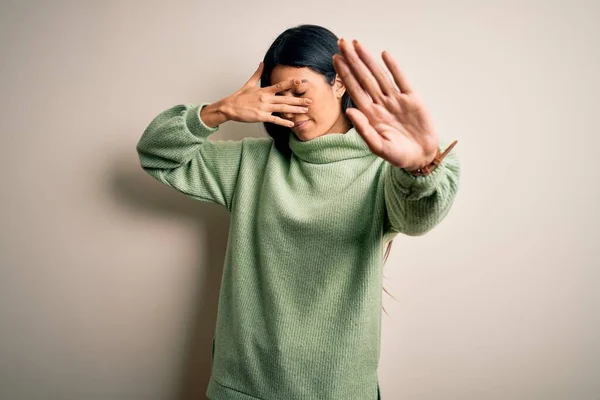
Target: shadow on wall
column 141, row 193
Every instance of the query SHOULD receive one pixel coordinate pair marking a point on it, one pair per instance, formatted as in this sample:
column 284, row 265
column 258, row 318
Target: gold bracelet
column 429, row 168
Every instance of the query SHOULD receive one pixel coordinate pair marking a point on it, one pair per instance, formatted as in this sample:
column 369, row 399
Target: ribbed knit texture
column 299, row 313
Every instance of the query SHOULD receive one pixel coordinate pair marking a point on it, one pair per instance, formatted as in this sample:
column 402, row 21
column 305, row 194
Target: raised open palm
column 393, row 121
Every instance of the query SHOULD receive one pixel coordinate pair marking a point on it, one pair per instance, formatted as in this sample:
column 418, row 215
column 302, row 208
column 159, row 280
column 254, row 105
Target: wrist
column 214, row 114
column 423, row 164
column 433, row 164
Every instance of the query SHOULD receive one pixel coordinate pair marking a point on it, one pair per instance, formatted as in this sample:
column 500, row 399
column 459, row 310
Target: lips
column 300, row 124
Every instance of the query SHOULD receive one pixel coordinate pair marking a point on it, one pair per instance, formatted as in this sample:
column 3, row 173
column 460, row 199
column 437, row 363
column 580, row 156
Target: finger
column 361, row 72
column 385, row 84
column 364, row 128
column 397, row 73
column 356, row 91
column 279, row 121
column 253, row 81
column 292, row 100
column 284, row 108
column 283, row 85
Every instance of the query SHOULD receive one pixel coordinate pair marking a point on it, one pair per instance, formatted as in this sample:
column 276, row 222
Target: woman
column 350, row 163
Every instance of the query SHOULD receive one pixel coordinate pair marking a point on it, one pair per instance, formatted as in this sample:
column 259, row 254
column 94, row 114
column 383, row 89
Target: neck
column 341, row 125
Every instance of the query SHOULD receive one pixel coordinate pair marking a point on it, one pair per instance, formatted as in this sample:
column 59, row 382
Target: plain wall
column 109, row 280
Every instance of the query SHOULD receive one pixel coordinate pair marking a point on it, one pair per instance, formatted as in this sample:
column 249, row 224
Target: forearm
column 175, row 149
column 172, row 138
column 415, row 205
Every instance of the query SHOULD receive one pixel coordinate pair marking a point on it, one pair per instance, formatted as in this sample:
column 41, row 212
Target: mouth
column 300, row 124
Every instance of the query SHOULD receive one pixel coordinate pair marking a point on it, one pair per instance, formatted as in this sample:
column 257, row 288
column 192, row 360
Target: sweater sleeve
column 414, row 205
column 175, row 149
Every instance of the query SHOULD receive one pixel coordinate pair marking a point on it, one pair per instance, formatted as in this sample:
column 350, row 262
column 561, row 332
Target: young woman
column 350, row 162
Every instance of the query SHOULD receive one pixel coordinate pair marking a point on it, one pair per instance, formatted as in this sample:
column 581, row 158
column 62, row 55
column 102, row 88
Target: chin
column 303, row 136
column 306, row 136
column 309, row 135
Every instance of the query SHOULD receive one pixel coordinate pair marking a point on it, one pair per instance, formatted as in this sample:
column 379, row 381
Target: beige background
column 109, row 281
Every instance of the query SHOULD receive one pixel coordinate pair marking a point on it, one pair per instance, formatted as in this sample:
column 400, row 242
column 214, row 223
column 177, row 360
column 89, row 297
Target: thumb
column 364, row 128
column 253, row 81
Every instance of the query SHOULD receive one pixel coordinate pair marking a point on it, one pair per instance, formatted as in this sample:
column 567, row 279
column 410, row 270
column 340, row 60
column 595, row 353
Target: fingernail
column 308, row 101
column 355, row 42
column 296, row 81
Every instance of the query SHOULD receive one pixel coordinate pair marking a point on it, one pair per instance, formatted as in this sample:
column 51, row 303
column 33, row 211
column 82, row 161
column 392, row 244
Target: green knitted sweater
column 299, row 313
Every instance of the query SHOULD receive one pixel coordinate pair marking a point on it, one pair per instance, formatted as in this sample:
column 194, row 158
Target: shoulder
column 256, row 143
column 257, row 148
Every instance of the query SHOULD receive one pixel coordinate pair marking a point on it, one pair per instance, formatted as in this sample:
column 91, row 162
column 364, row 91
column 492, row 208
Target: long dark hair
column 311, row 46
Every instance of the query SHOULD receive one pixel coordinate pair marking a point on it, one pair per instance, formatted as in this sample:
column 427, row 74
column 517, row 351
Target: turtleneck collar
column 330, row 147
